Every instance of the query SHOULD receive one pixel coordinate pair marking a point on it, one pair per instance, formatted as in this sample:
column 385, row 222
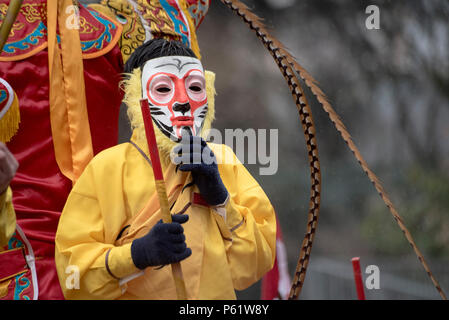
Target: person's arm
column 248, row 226
column 8, row 168
column 243, row 212
column 90, row 222
column 85, row 242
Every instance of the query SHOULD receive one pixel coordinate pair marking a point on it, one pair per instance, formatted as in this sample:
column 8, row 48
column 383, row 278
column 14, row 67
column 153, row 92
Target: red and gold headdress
column 144, row 20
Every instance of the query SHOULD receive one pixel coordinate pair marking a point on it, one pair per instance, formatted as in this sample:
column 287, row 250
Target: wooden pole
column 8, row 21
column 161, row 190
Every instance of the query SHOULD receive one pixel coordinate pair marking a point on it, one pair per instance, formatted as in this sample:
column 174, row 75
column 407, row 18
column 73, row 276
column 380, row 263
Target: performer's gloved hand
column 164, row 244
column 193, row 154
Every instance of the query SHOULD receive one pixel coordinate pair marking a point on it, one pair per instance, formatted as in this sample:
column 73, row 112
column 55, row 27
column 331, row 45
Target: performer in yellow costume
column 62, row 58
column 224, row 229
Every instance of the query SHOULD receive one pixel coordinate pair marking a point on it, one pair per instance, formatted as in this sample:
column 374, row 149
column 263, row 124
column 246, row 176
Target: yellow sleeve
column 7, row 217
column 248, row 228
column 86, row 234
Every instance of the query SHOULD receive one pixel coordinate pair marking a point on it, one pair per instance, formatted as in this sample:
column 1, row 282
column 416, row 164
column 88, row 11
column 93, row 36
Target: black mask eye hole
column 163, row 89
column 195, row 88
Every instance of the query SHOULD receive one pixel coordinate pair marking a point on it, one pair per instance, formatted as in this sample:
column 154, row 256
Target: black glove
column 193, row 154
column 164, row 244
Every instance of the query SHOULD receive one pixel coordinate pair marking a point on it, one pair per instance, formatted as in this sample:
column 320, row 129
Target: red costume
column 57, row 135
column 40, row 189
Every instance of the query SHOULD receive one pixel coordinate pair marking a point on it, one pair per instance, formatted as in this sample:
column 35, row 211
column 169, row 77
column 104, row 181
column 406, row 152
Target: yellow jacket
column 7, row 217
column 114, row 201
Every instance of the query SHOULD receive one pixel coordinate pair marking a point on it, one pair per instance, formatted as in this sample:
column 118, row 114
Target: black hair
column 156, row 48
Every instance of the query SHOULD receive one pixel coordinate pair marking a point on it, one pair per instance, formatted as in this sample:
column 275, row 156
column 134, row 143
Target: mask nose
column 182, row 107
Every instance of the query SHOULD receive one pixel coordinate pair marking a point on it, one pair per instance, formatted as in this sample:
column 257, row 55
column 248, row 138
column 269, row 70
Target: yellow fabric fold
column 120, row 261
column 68, row 109
column 7, row 217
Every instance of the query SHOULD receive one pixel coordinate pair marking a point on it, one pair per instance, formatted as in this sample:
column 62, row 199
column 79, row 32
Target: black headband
column 156, row 48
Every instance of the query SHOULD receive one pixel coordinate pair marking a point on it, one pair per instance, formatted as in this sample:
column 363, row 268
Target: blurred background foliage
column 391, row 89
